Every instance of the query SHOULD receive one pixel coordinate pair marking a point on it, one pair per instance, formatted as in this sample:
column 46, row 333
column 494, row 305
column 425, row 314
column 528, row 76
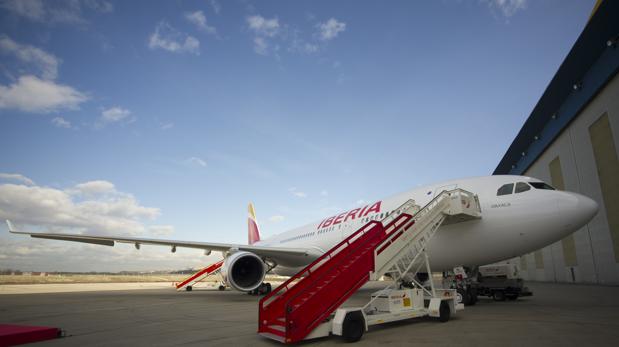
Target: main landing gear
column 263, row 289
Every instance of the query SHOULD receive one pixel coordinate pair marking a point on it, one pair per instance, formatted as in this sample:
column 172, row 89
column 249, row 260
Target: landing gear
column 407, row 284
column 463, row 280
column 511, row 297
column 221, row 287
column 422, row 277
column 263, row 289
column 467, row 295
column 189, row 288
column 498, row 295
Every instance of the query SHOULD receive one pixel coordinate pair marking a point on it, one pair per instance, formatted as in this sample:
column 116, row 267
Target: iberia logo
column 351, row 215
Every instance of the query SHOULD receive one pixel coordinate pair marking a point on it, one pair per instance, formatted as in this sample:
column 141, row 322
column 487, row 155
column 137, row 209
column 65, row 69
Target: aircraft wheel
column 499, row 295
column 221, row 287
column 353, row 327
column 263, row 289
column 465, row 297
column 473, row 296
column 444, row 312
column 188, row 288
column 511, row 297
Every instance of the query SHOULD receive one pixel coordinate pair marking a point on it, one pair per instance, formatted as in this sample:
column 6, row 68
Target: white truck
column 500, row 282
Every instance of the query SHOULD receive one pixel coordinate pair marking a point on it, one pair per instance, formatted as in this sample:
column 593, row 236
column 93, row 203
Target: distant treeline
column 126, row 273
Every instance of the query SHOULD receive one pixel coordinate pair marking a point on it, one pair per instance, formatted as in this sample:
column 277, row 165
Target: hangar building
column 570, row 140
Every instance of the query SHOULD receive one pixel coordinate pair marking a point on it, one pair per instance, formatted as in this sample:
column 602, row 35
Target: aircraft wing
column 279, row 255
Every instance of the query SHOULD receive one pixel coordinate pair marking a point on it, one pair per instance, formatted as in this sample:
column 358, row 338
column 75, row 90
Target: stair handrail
column 309, row 268
column 444, row 197
column 217, row 265
column 335, row 266
column 389, row 218
column 408, row 204
column 430, row 205
column 366, row 227
column 422, row 212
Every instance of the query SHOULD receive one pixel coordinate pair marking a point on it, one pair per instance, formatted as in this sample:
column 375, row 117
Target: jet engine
column 243, row 271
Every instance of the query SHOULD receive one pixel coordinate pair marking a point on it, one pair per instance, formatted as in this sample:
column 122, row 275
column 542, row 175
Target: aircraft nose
column 576, row 209
column 588, row 206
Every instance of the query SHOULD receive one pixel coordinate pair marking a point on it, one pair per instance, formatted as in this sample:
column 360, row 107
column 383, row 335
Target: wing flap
column 74, row 239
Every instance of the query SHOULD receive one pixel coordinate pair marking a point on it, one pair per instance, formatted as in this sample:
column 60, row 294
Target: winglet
column 10, row 225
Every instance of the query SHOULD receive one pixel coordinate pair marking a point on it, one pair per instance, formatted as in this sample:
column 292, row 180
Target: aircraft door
column 438, row 190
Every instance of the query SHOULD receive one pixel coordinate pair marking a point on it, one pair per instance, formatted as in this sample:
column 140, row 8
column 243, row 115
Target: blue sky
column 166, row 118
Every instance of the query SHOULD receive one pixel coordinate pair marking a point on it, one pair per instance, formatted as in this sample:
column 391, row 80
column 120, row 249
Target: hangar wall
column 583, row 158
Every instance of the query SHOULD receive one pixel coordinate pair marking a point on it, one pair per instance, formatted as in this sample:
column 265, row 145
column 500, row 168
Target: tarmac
column 557, row 315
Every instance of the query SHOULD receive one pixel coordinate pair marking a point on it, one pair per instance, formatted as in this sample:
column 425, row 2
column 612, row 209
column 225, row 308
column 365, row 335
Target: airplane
column 519, row 215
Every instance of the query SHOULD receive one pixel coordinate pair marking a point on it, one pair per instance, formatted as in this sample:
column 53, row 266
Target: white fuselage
column 511, row 224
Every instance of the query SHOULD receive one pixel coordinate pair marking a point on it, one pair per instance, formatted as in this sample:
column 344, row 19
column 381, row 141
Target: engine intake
column 243, row 271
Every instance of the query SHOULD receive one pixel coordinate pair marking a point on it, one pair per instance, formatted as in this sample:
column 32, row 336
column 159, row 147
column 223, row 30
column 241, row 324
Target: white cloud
column 45, row 62
column 299, row 44
column 114, row 114
column 507, row 7
column 36, row 94
column 261, row 46
column 32, row 94
column 51, row 208
column 324, row 193
column 310, row 48
column 216, row 6
column 161, row 230
column 166, row 126
column 94, row 188
column 361, row 202
column 45, row 209
column 67, row 11
column 263, row 26
column 330, row 29
column 299, row 194
column 16, row 177
column 32, row 9
column 61, row 122
column 50, row 255
column 263, row 29
column 198, row 19
column 167, row 38
column 195, row 161
column 276, row 219
column 100, row 6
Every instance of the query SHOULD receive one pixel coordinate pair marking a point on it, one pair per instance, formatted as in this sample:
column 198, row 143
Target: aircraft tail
column 253, row 230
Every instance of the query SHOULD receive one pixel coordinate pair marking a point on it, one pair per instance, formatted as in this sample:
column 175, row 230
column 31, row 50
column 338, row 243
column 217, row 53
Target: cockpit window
column 522, row 187
column 541, row 185
column 505, row 189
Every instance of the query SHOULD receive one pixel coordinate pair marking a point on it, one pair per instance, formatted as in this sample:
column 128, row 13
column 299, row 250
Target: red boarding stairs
column 294, row 309
column 188, row 283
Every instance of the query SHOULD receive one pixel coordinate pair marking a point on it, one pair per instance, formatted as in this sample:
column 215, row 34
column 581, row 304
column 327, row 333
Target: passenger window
column 505, row 189
column 522, row 187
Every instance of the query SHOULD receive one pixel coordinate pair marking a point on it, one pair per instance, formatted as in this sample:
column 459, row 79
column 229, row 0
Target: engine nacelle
column 243, row 271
